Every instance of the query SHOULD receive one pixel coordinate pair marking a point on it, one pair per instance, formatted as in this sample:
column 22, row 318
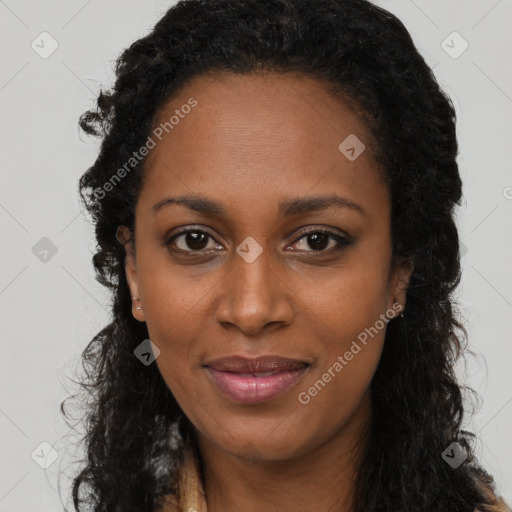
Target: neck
column 319, row 478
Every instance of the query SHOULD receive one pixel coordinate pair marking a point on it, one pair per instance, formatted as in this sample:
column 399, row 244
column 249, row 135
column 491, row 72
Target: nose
column 254, row 295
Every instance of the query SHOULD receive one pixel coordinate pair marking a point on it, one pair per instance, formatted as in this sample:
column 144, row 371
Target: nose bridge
column 252, row 294
column 253, row 276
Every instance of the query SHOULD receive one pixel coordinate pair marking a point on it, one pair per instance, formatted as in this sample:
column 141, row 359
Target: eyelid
column 335, row 232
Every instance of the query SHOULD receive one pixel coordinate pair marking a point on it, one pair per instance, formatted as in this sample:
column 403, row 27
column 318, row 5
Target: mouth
column 250, row 381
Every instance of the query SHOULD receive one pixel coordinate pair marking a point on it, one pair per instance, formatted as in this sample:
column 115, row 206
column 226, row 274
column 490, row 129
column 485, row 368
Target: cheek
column 177, row 314
column 348, row 297
column 175, row 297
column 348, row 307
column 348, row 355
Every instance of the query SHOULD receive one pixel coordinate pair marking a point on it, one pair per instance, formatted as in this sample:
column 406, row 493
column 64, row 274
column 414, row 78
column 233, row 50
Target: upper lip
column 239, row 364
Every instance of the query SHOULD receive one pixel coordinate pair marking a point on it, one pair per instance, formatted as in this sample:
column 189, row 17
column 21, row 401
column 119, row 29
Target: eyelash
column 341, row 240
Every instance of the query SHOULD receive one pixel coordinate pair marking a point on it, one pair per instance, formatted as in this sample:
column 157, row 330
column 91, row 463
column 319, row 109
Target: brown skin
column 251, row 142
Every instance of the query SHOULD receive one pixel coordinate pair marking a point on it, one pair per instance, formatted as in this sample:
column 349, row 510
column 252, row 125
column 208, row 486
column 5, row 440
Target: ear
column 124, row 236
column 399, row 281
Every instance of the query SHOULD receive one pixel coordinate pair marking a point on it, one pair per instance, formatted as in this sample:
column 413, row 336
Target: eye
column 197, row 240
column 318, row 240
column 192, row 240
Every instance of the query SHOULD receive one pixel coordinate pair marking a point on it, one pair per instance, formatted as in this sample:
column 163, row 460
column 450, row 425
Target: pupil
column 193, row 240
column 323, row 241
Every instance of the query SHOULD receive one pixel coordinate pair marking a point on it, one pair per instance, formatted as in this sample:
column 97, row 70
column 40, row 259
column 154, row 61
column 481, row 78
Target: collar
column 191, row 495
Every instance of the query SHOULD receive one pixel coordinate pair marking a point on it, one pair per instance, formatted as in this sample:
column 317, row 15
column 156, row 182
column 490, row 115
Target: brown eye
column 318, row 241
column 315, row 241
column 191, row 240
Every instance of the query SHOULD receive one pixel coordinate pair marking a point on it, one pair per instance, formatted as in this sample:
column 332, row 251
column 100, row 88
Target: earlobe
column 401, row 276
column 124, row 237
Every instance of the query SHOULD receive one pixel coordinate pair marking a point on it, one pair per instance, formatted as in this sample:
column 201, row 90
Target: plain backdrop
column 50, row 304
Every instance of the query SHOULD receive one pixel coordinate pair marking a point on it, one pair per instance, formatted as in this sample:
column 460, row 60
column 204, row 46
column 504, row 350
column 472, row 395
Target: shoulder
column 169, row 503
column 496, row 503
column 498, row 506
column 189, row 493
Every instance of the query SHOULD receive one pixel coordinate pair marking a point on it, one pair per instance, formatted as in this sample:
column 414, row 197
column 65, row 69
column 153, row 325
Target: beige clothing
column 191, row 494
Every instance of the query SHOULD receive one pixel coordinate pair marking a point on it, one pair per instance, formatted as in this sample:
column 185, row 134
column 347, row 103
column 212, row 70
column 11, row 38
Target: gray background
column 51, row 309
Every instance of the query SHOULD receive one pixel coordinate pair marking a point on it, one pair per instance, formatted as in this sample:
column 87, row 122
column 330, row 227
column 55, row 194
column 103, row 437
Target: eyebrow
column 288, row 207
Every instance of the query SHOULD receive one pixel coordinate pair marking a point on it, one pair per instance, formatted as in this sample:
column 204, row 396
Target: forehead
column 287, row 105
column 259, row 135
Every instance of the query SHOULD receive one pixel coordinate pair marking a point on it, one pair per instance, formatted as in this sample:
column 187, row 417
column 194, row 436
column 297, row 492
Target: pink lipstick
column 255, row 380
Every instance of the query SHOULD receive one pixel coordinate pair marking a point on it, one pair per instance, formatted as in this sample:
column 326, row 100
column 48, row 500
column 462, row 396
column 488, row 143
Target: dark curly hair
column 367, row 56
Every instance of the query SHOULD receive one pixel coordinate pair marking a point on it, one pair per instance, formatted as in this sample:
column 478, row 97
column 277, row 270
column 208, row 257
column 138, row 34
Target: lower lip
column 251, row 390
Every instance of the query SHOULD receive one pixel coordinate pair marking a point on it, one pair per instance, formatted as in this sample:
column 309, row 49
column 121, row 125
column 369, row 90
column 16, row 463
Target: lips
column 250, row 381
column 259, row 365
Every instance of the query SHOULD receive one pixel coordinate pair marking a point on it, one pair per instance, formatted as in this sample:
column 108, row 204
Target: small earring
column 137, row 298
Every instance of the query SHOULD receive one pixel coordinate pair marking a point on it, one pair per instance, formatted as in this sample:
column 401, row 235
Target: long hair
column 366, row 55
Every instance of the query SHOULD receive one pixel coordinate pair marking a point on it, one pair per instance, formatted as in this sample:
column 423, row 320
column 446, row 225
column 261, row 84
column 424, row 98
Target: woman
column 274, row 202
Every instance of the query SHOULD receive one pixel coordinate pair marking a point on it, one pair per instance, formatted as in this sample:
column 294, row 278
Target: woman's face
column 259, row 160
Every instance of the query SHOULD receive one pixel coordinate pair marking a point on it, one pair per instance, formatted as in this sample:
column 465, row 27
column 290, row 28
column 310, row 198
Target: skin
column 251, row 142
